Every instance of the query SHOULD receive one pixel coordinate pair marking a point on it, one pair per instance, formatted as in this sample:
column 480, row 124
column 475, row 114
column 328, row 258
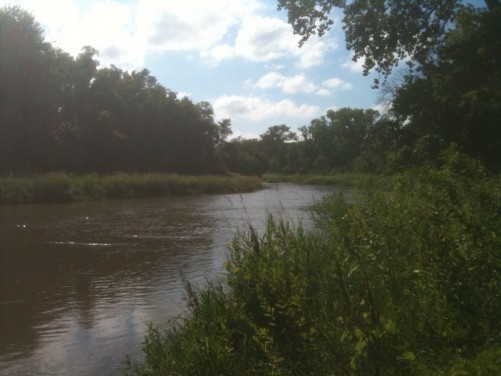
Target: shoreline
column 64, row 188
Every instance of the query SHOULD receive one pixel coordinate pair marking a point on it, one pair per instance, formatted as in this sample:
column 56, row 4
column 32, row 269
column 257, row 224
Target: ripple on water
column 83, row 244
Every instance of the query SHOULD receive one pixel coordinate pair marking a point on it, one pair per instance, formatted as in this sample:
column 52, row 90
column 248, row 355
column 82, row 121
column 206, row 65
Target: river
column 80, row 281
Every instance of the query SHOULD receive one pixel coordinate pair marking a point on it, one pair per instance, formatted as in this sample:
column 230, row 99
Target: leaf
column 409, row 355
column 390, row 326
column 358, row 333
column 353, row 364
column 360, row 345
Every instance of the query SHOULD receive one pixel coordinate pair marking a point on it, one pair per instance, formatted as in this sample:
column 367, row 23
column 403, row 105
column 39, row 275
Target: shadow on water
column 79, row 282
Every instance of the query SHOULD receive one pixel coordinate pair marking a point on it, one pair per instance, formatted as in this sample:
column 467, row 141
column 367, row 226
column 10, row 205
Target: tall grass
column 346, row 179
column 400, row 284
column 61, row 187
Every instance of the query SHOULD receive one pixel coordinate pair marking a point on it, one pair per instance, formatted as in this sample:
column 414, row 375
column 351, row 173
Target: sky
column 239, row 55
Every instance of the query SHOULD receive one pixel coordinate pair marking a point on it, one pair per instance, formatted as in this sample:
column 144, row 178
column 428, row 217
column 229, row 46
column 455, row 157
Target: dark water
column 79, row 282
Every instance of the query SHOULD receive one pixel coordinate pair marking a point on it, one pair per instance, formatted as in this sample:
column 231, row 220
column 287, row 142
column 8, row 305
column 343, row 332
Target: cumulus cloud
column 109, row 26
column 299, row 84
column 125, row 32
column 323, row 92
column 289, row 85
column 335, row 83
column 255, row 108
column 218, row 53
column 190, row 25
column 383, row 107
column 354, row 66
column 265, row 39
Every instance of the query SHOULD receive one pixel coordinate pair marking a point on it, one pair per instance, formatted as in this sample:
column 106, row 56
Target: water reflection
column 78, row 282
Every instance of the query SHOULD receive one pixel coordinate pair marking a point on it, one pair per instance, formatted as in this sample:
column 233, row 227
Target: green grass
column 400, row 284
column 346, row 179
column 61, row 187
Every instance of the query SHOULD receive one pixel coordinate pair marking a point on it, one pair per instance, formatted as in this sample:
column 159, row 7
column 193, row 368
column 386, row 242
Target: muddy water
column 79, row 282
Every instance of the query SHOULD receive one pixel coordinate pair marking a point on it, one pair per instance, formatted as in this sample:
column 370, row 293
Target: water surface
column 79, row 282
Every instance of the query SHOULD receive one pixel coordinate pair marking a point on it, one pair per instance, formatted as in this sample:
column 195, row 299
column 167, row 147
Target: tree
column 458, row 97
column 451, row 92
column 338, row 138
column 245, row 156
column 223, row 131
column 63, row 113
column 26, row 107
column 382, row 32
column 274, row 145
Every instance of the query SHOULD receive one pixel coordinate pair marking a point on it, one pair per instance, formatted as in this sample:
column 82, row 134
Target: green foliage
column 61, row 187
column 382, row 33
column 405, row 282
column 457, row 98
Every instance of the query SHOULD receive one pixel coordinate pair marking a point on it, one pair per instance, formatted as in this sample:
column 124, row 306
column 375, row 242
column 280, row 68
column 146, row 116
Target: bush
column 399, row 283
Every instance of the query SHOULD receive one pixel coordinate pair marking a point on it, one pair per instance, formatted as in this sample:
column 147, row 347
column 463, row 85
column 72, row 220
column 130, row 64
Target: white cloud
column 298, row 84
column 323, row 92
column 109, row 26
column 255, row 108
column 289, row 85
column 218, row 53
column 189, row 25
column 383, row 107
column 125, row 32
column 354, row 66
column 183, row 94
column 265, row 39
column 337, row 83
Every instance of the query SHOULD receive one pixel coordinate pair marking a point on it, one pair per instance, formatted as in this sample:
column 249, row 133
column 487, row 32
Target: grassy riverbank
column 400, row 284
column 61, row 187
column 346, row 179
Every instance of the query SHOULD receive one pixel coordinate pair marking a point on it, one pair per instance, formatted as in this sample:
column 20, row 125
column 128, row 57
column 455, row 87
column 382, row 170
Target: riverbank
column 348, row 179
column 406, row 283
column 62, row 187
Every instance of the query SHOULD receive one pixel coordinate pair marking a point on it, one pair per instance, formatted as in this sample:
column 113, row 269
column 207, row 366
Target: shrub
column 406, row 282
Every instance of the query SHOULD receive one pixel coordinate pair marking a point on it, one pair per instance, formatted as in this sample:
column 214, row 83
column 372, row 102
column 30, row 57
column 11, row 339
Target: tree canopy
column 64, row 113
column 382, row 32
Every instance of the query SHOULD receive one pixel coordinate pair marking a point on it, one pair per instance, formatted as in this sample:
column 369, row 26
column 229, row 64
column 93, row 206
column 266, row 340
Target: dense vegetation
column 400, row 283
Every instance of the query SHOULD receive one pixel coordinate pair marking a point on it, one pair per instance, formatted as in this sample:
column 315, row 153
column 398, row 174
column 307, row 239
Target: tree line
column 64, row 113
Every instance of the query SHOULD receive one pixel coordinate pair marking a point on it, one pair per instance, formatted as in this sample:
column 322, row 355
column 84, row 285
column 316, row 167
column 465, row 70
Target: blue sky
column 240, row 55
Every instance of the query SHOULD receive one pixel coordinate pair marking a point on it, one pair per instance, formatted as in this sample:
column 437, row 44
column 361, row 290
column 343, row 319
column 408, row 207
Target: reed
column 61, row 187
column 345, row 179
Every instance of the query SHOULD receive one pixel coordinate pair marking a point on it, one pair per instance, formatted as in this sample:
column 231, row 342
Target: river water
column 80, row 281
